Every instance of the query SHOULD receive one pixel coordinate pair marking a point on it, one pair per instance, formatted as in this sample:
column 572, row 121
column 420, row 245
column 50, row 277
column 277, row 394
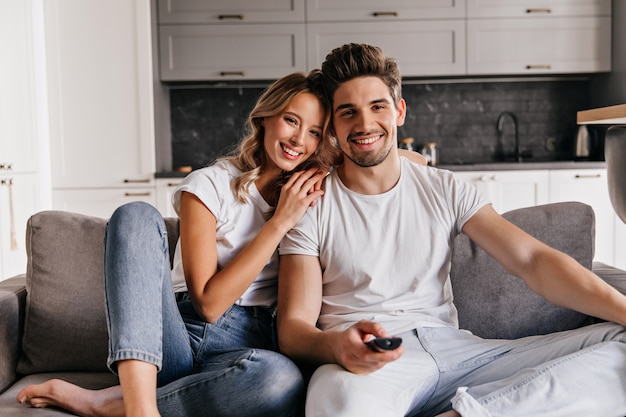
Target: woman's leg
column 146, row 332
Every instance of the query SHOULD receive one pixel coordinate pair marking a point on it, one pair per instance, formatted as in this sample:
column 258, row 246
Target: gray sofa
column 52, row 319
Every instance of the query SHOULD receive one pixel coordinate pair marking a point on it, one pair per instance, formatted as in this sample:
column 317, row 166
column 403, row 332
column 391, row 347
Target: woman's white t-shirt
column 237, row 224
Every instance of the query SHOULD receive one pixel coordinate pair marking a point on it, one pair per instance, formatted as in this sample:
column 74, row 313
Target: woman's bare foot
column 106, row 402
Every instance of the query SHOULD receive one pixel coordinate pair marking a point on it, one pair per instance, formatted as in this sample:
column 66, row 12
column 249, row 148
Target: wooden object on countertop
column 612, row 115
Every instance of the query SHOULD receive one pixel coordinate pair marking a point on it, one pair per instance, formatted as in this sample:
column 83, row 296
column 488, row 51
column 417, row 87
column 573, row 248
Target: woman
column 212, row 346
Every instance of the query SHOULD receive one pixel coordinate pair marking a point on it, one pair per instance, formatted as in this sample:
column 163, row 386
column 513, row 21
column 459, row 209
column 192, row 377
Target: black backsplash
column 459, row 116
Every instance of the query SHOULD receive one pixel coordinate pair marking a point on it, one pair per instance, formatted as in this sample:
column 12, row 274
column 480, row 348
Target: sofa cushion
column 65, row 327
column 65, row 321
column 493, row 303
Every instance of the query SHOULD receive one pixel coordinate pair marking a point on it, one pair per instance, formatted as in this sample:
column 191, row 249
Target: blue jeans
column 580, row 372
column 230, row 368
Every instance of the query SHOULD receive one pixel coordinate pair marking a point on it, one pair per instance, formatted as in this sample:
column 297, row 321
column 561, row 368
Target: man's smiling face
column 365, row 120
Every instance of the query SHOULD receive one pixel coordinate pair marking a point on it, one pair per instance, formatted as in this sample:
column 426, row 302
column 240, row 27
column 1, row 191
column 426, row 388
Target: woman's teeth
column 290, row 151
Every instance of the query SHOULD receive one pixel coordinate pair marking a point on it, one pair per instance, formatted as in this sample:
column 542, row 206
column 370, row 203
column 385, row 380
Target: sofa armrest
column 613, row 276
column 12, row 304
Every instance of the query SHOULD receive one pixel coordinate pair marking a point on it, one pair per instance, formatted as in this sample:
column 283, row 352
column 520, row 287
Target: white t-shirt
column 237, row 225
column 386, row 257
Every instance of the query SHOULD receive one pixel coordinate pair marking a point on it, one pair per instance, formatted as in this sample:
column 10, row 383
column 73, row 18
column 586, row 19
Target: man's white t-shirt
column 237, row 224
column 386, row 257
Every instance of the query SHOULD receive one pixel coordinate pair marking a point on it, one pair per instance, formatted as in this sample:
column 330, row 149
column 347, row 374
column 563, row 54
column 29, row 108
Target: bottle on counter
column 406, row 143
column 429, row 151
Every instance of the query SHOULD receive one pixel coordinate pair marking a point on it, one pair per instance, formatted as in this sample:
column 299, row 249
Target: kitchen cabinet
column 21, row 189
column 100, row 202
column 100, row 99
column 509, row 190
column 374, row 10
column 226, row 40
column 229, row 11
column 422, row 48
column 537, row 8
column 231, row 52
column 538, row 46
column 590, row 187
column 19, row 199
column 164, row 189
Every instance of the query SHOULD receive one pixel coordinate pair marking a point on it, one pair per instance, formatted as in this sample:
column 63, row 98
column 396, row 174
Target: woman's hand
column 300, row 192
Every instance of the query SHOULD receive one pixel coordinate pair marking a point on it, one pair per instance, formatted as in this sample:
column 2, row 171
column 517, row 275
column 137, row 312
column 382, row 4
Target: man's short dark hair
column 358, row 60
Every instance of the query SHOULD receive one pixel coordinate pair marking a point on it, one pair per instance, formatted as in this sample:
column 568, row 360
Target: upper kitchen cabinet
column 230, row 11
column 230, row 40
column 422, row 48
column 375, row 10
column 537, row 8
column 427, row 37
column 100, row 93
column 541, row 45
column 217, row 52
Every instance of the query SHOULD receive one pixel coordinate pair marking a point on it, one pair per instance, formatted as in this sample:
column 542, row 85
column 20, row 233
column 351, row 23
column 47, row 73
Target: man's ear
column 401, row 107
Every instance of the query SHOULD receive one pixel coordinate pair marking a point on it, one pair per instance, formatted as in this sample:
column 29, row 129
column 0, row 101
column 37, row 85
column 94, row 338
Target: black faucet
column 516, row 153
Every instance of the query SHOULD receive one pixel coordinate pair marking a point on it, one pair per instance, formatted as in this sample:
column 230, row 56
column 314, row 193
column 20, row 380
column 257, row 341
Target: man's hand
column 352, row 353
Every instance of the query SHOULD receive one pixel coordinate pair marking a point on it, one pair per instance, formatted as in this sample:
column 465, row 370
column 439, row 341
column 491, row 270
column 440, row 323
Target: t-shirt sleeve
column 205, row 184
column 302, row 239
column 466, row 200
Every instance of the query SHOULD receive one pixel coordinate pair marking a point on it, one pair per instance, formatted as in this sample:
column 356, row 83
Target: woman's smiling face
column 294, row 134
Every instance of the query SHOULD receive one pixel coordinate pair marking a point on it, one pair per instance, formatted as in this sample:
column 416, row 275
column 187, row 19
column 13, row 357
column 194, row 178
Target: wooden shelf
column 612, row 115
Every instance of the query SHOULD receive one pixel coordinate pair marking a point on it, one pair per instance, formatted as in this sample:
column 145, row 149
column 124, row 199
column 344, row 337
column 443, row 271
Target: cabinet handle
column 588, row 176
column 145, row 181
column 382, row 14
column 12, row 236
column 173, row 184
column 486, row 178
column 146, row 194
column 230, row 16
column 227, row 73
column 534, row 67
column 6, row 166
column 539, row 10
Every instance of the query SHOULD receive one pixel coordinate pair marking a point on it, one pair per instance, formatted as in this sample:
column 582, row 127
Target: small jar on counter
column 429, row 151
column 406, row 143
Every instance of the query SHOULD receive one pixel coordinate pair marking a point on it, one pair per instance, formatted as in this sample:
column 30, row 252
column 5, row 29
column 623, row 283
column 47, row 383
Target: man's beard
column 369, row 160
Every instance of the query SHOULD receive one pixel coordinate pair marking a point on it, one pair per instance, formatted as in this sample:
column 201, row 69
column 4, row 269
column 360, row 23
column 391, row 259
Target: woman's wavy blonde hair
column 251, row 158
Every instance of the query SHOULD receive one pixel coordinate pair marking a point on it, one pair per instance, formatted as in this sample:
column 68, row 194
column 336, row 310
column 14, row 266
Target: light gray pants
column 575, row 373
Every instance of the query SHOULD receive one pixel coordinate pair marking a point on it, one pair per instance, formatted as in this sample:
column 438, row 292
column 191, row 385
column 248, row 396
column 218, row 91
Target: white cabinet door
column 164, row 190
column 422, row 48
column 590, row 187
column 533, row 8
column 100, row 93
column 19, row 199
column 538, row 46
column 100, row 202
column 18, row 151
column 351, row 10
column 234, row 52
column 230, row 11
column 509, row 190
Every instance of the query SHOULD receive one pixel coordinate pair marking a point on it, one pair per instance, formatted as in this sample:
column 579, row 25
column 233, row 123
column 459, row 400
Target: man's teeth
column 366, row 141
column 290, row 151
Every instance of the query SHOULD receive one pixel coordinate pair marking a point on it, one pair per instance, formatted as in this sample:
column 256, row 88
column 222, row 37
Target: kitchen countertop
column 486, row 166
column 611, row 115
column 522, row 166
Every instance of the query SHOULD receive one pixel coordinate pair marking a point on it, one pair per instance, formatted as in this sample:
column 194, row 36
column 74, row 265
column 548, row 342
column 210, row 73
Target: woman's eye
column 291, row 120
column 316, row 133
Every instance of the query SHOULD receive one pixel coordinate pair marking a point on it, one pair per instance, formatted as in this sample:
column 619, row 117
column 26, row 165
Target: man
column 372, row 257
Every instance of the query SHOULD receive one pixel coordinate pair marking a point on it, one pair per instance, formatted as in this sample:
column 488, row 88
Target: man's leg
column 583, row 369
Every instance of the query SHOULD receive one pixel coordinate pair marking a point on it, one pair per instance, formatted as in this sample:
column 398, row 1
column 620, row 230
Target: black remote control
column 384, row 343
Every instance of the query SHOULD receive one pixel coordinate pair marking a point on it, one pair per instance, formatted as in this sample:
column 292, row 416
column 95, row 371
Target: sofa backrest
column 492, row 303
column 65, row 327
